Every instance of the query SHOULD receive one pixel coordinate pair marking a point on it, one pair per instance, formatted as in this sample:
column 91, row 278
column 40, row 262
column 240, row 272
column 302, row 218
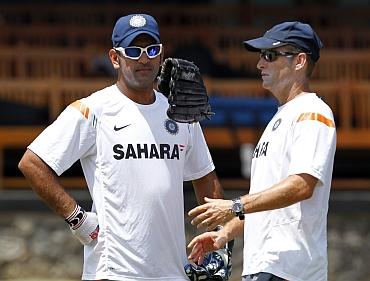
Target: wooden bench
column 334, row 64
column 226, row 138
column 249, row 14
column 349, row 100
column 224, row 37
column 21, row 62
column 221, row 28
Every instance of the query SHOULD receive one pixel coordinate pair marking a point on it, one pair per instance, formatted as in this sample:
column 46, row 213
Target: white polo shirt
column 134, row 160
column 291, row 242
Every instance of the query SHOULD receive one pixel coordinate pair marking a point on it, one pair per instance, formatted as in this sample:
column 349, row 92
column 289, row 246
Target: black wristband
column 76, row 218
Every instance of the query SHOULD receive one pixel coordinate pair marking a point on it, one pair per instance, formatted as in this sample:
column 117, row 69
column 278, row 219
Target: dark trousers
column 262, row 276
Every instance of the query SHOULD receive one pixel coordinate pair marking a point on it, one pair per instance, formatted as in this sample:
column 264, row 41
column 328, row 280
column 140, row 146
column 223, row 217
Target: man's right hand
column 89, row 229
column 211, row 214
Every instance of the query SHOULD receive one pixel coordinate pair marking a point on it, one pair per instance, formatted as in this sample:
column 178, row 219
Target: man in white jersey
column 134, row 159
column 286, row 209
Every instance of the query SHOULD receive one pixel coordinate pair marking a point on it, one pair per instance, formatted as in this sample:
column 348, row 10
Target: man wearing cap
column 134, row 159
column 285, row 212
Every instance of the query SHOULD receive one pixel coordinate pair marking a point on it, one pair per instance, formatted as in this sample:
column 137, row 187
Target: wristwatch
column 237, row 208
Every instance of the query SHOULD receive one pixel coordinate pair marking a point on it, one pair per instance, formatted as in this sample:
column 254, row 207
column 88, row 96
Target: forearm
column 291, row 190
column 232, row 229
column 54, row 195
column 46, row 184
column 208, row 186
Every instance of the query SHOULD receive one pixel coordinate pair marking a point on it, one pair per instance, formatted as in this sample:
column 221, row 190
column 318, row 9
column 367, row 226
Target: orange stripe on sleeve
column 316, row 117
column 81, row 108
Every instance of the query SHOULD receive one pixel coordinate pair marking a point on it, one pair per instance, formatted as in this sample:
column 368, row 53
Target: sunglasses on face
column 134, row 52
column 270, row 55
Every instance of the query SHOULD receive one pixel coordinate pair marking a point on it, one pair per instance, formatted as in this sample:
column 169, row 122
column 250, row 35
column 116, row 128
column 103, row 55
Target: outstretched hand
column 211, row 214
column 204, row 243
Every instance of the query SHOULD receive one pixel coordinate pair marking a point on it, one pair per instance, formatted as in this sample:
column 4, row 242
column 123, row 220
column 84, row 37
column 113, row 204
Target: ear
column 114, row 58
column 161, row 56
column 301, row 61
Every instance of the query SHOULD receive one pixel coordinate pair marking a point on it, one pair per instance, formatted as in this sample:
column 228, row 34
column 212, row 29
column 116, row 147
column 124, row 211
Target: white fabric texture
column 135, row 161
column 291, row 242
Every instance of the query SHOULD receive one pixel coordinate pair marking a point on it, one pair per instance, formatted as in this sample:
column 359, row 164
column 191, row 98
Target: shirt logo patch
column 147, row 151
column 276, row 124
column 119, row 128
column 171, row 127
column 137, row 21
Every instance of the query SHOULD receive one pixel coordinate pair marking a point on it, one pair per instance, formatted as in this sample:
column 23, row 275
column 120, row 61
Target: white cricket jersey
column 134, row 160
column 291, row 242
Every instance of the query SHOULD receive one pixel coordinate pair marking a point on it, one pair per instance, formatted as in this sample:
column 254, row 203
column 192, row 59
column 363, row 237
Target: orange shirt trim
column 316, row 117
column 81, row 108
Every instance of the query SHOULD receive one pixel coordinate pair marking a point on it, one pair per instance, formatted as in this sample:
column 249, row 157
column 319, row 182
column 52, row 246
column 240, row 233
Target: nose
column 261, row 64
column 144, row 58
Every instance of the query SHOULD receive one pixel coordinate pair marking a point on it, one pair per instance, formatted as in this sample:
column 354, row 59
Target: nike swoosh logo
column 276, row 43
column 119, row 128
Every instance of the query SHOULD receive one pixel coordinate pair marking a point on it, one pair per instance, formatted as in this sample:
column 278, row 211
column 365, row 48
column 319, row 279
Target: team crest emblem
column 171, row 127
column 137, row 21
column 276, row 124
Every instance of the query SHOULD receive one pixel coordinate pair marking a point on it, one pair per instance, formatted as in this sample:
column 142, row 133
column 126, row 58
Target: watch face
column 237, row 207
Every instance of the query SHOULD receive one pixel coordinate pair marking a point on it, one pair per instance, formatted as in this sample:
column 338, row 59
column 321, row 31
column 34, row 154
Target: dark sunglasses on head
column 134, row 52
column 270, row 55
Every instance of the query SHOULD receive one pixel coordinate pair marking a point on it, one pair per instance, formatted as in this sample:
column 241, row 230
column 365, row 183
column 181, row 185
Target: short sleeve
column 313, row 144
column 69, row 138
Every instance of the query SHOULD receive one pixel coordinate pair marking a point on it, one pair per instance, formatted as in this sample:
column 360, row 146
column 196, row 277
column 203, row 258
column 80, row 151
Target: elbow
column 26, row 164
column 307, row 186
column 307, row 194
column 307, row 191
column 23, row 165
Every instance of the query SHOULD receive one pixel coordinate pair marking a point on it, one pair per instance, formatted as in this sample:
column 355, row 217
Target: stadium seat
column 241, row 111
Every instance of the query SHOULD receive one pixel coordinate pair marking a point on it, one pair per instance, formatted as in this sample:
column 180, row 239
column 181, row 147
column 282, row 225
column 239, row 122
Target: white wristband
column 84, row 225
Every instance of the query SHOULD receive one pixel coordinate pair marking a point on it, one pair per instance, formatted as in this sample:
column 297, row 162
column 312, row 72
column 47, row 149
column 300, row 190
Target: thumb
column 209, row 200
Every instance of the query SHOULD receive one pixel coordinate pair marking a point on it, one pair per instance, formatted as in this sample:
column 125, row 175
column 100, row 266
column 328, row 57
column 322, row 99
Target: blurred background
column 54, row 52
